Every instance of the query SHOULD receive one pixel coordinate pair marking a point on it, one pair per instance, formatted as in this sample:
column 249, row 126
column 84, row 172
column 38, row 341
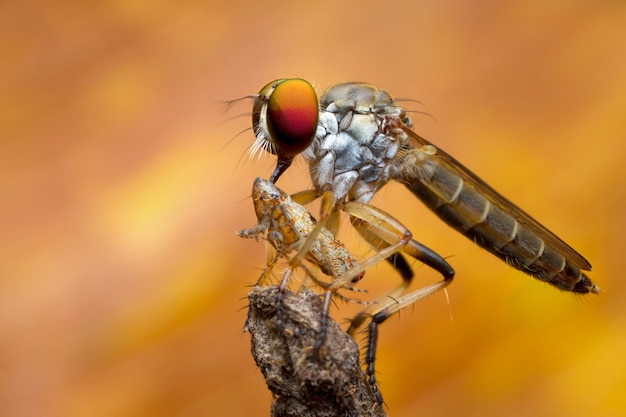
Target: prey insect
column 358, row 138
column 287, row 225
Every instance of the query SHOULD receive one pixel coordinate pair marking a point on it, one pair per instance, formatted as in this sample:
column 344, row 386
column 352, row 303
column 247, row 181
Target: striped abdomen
column 474, row 209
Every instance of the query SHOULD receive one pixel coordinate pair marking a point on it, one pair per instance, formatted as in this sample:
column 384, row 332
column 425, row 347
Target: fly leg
column 284, row 282
column 328, row 217
column 381, row 312
column 398, row 262
column 387, row 234
column 380, row 229
column 382, row 315
column 323, row 323
column 393, row 234
column 415, row 250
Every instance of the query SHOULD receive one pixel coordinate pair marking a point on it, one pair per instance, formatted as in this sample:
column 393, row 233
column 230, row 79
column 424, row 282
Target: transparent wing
column 500, row 201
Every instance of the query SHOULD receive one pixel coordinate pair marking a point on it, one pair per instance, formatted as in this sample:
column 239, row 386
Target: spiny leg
column 326, row 286
column 284, row 282
column 329, row 216
column 370, row 358
column 350, row 276
column 417, row 251
column 393, row 230
column 380, row 229
column 327, row 208
column 323, row 324
column 400, row 264
column 385, row 311
column 272, row 260
column 397, row 261
column 326, row 305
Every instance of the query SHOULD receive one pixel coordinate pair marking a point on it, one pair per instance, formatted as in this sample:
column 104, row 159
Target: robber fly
column 287, row 225
column 358, row 138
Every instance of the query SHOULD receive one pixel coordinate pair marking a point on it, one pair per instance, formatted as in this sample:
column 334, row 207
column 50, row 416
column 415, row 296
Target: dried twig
column 303, row 385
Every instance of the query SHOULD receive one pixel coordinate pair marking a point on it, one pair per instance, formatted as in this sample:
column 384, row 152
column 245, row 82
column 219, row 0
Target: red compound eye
column 292, row 114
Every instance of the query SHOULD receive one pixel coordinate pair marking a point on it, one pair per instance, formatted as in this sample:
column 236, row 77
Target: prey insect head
column 284, row 117
column 263, row 190
column 266, row 197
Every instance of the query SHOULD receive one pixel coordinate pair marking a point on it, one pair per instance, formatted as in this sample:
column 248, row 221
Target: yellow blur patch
column 143, row 212
column 121, row 93
column 186, row 295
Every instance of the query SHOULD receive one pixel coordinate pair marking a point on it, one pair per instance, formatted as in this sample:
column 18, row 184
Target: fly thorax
column 343, row 184
column 349, row 155
column 384, row 146
column 362, row 127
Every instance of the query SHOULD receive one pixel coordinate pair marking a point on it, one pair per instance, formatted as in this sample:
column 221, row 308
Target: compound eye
column 292, row 115
column 259, row 108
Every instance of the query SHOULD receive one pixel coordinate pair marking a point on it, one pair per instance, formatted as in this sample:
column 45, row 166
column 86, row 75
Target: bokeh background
column 123, row 179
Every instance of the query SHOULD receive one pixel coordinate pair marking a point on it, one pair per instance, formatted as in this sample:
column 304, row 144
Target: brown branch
column 304, row 385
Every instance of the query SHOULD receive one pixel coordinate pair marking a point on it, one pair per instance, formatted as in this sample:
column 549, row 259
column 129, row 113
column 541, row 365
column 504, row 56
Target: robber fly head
column 284, row 118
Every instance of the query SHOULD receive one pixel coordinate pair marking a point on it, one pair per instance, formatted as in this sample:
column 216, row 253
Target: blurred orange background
column 123, row 180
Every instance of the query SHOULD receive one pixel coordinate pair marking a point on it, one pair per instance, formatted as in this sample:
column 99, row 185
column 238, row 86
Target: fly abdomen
column 482, row 220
